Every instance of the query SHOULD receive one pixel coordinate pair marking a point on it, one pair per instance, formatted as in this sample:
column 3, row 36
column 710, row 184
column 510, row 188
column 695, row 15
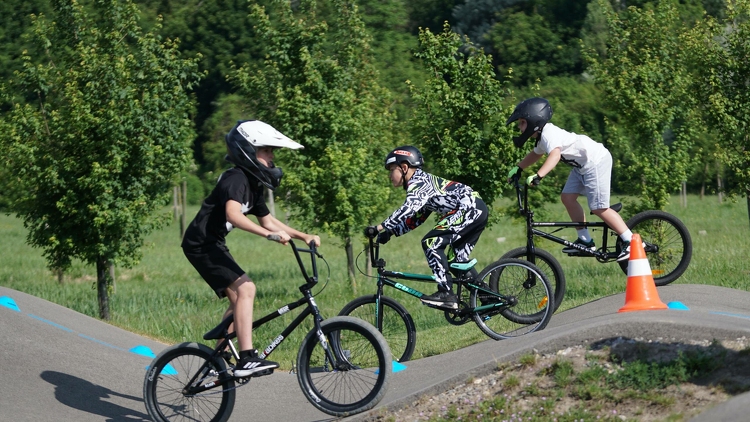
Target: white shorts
column 592, row 180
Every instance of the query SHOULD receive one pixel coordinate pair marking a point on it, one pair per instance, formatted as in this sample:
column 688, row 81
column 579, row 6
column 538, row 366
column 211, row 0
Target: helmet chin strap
column 403, row 177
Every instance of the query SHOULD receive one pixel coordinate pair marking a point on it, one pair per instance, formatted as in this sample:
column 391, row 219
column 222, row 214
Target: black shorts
column 216, row 266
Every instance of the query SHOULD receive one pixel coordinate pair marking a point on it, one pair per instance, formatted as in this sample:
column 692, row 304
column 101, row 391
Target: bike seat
column 220, row 331
column 617, row 207
column 459, row 268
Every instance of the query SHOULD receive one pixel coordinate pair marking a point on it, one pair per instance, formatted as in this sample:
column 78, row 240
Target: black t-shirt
column 210, row 227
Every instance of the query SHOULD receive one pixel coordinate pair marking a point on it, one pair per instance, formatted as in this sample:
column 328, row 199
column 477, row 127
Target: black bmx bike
column 666, row 239
column 508, row 298
column 343, row 365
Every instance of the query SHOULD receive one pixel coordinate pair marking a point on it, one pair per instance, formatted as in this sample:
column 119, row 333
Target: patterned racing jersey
column 427, row 193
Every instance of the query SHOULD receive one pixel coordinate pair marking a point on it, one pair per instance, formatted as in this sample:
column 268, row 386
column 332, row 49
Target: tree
column 645, row 80
column 318, row 86
column 94, row 156
column 720, row 50
column 461, row 114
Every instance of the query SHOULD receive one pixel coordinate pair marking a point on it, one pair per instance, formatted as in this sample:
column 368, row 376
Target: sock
column 627, row 235
column 584, row 235
column 252, row 353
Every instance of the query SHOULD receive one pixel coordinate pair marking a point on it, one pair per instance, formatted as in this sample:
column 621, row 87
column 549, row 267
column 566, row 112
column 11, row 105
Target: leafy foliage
column 721, row 49
column 460, row 120
column 318, row 86
column 645, row 79
column 93, row 157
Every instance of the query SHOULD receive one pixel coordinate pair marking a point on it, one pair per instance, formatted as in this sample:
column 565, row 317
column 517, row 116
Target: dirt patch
column 528, row 388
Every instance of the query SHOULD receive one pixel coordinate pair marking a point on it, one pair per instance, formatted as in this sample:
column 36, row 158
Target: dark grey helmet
column 537, row 112
column 405, row 154
column 242, row 142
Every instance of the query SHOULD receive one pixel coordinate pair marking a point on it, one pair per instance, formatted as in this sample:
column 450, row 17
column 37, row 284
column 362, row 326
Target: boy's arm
column 552, row 159
column 273, row 224
column 530, row 159
column 236, row 218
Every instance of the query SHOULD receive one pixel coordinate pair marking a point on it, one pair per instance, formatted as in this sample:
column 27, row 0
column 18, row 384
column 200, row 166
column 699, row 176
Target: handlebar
column 521, row 197
column 312, row 250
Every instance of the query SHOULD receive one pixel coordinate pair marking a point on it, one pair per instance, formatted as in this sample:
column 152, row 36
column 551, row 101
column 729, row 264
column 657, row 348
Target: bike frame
column 603, row 254
column 385, row 279
column 222, row 330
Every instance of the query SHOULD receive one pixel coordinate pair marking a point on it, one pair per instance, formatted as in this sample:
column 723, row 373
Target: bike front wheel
column 548, row 264
column 349, row 372
column 394, row 322
column 524, row 301
column 669, row 247
column 174, row 372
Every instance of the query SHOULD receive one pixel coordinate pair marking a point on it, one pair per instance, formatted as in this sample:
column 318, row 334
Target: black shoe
column 254, row 366
column 590, row 245
column 441, row 299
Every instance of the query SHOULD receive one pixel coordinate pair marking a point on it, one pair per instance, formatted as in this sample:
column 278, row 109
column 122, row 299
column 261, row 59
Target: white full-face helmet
column 242, row 142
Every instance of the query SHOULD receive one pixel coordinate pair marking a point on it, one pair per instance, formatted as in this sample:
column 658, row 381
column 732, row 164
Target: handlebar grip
column 371, row 232
column 274, row 237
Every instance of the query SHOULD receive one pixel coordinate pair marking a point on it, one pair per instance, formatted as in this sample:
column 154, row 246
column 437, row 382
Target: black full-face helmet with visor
column 537, row 112
column 242, row 143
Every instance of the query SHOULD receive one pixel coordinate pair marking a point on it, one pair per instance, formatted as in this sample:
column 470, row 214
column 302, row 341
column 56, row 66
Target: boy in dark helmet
column 463, row 218
column 239, row 192
column 591, row 170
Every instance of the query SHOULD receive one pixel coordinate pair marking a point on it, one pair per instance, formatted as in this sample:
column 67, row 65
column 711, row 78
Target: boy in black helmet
column 590, row 176
column 463, row 218
column 239, row 192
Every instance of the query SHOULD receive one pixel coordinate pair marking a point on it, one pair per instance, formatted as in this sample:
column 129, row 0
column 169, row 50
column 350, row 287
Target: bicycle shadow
column 91, row 398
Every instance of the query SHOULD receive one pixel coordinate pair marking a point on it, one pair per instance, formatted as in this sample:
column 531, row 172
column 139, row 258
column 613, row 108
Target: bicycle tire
column 534, row 300
column 675, row 247
column 169, row 374
column 397, row 324
column 361, row 378
column 548, row 264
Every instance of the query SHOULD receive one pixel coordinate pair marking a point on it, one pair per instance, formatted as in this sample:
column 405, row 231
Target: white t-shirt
column 575, row 150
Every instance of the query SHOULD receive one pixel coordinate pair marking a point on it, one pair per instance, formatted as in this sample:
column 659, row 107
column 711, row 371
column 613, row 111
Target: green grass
column 163, row 297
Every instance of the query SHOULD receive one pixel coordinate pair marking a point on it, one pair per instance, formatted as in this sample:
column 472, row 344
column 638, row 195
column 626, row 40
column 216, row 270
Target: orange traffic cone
column 640, row 294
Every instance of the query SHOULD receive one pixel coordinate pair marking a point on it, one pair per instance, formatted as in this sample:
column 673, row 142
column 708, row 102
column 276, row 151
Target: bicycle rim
column 532, row 301
column 170, row 373
column 669, row 234
column 549, row 266
column 397, row 324
column 358, row 379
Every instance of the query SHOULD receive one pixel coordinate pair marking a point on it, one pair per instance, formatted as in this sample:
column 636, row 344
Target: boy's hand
column 533, row 180
column 312, row 238
column 280, row 236
column 384, row 236
column 514, row 173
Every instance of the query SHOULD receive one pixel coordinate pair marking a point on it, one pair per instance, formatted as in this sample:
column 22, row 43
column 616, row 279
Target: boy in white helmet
column 238, row 192
column 591, row 170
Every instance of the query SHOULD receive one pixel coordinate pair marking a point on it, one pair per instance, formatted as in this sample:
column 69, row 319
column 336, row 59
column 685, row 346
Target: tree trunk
column 747, row 198
column 350, row 262
column 175, row 203
column 103, row 283
column 683, row 194
column 183, row 219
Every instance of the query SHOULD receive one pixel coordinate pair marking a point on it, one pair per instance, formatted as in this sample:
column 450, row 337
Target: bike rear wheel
column 395, row 323
column 669, row 247
column 170, row 374
column 530, row 297
column 358, row 377
column 548, row 264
